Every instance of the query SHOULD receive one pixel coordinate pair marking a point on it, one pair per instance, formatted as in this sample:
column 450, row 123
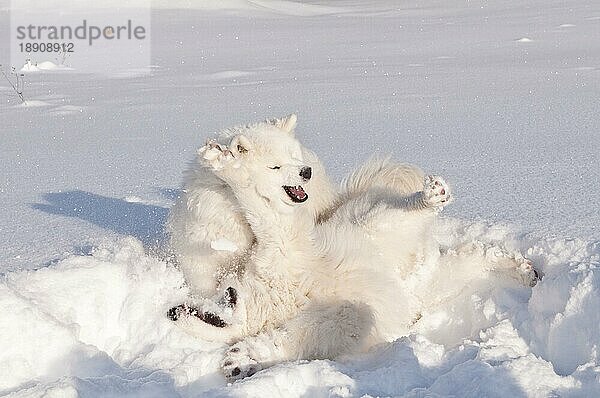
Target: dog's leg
column 498, row 259
column 435, row 195
column 321, row 330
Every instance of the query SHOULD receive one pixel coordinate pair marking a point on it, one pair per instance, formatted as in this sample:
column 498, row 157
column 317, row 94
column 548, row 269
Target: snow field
column 501, row 98
column 95, row 325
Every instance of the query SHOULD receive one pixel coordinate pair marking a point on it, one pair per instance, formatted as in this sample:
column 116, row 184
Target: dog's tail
column 383, row 173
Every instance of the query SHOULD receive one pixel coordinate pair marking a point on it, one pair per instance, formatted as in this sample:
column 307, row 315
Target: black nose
column 306, row 173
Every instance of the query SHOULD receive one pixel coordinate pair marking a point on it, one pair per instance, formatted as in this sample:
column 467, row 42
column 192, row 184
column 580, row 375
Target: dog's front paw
column 436, row 192
column 238, row 362
column 216, row 156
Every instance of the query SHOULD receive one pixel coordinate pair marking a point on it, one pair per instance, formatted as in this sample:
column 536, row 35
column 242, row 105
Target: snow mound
column 96, row 324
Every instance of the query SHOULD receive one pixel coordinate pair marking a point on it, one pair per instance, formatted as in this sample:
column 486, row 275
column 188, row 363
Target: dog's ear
column 240, row 145
column 286, row 123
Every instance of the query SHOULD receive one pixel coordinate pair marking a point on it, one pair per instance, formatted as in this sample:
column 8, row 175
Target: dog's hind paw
column 436, row 192
column 513, row 264
column 527, row 274
column 238, row 362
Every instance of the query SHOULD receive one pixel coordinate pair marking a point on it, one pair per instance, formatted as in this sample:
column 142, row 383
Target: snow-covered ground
column 500, row 97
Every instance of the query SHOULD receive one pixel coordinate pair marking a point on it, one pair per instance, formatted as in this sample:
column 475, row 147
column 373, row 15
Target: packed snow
column 501, row 98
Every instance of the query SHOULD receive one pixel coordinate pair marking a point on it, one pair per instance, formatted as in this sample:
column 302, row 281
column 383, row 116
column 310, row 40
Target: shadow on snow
column 143, row 221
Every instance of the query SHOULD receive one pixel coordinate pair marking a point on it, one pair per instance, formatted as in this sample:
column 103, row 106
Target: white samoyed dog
column 352, row 270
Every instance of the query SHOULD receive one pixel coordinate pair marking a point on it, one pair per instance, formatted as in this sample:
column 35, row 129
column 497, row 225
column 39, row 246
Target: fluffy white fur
column 321, row 280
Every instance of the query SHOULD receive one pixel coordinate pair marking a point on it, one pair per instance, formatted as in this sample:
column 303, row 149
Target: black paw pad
column 181, row 310
column 252, row 370
column 176, row 312
column 212, row 319
column 172, row 314
column 537, row 277
column 231, row 297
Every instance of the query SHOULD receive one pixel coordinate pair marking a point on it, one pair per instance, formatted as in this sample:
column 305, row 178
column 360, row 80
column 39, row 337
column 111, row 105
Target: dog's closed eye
column 274, row 167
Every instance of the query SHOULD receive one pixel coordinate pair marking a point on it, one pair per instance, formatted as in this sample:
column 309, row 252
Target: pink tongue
column 298, row 192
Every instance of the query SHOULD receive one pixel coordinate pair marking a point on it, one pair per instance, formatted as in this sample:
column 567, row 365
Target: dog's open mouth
column 296, row 193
